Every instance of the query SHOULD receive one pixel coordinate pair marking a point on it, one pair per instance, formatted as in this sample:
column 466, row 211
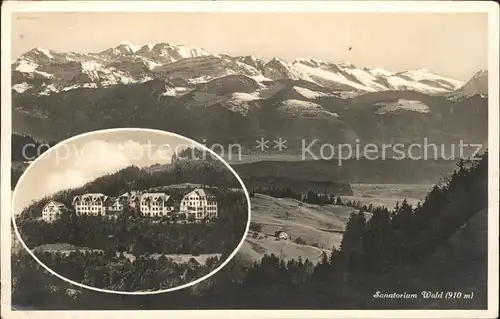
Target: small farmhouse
column 156, row 204
column 199, row 204
column 52, row 211
column 281, row 235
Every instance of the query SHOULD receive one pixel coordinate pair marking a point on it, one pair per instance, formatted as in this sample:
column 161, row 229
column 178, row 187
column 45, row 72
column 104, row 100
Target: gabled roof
column 91, row 197
column 201, row 192
column 59, row 205
column 155, row 196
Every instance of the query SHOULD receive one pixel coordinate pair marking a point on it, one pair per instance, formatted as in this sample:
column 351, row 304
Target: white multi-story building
column 53, row 210
column 94, row 204
column 156, row 204
column 199, row 204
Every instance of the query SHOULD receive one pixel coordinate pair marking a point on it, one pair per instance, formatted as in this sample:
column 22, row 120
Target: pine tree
column 352, row 242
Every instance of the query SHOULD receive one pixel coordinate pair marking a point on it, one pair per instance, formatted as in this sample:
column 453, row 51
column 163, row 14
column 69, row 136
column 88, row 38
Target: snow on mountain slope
column 380, row 71
column 130, row 46
column 105, row 76
column 168, row 53
column 260, row 78
column 151, row 65
column 31, row 70
column 367, row 78
column 238, row 96
column 204, row 69
column 402, row 105
column 327, row 78
column 252, row 61
column 21, row 87
column 26, row 67
column 49, row 72
column 176, row 91
column 294, row 107
column 426, row 75
column 241, row 102
column 347, row 77
column 48, row 89
column 46, row 52
column 278, row 69
column 423, row 81
column 309, row 94
column 92, row 69
column 238, row 102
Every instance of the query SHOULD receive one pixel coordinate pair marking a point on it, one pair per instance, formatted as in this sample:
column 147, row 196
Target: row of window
column 86, row 209
column 89, row 202
column 199, row 204
column 201, row 215
column 155, row 208
column 87, row 206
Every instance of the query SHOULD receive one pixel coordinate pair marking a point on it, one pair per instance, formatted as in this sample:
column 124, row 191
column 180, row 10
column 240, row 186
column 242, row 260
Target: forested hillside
column 390, row 252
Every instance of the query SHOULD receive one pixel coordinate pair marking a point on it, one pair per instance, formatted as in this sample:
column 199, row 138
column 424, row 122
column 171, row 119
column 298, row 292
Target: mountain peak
column 477, row 85
column 129, row 45
column 277, row 60
column 177, row 51
column 37, row 52
column 480, row 73
column 125, row 47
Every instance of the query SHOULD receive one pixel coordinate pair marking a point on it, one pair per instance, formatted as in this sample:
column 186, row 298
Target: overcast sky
column 450, row 44
column 74, row 163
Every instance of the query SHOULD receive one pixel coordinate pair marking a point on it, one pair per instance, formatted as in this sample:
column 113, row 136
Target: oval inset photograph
column 131, row 211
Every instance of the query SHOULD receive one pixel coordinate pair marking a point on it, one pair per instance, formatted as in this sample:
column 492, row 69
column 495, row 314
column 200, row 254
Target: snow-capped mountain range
column 43, row 72
column 242, row 98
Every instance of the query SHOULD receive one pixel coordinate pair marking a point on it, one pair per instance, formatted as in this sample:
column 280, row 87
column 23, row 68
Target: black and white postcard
column 250, row 159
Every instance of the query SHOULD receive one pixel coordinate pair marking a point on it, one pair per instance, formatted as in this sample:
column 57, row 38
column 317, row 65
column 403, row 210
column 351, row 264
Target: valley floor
column 388, row 195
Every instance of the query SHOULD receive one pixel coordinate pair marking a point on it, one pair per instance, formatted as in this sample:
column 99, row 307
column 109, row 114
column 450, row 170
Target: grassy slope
column 321, row 225
column 255, row 249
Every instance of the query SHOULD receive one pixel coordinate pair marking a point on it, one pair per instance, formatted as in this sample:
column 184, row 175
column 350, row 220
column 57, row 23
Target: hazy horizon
column 453, row 45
